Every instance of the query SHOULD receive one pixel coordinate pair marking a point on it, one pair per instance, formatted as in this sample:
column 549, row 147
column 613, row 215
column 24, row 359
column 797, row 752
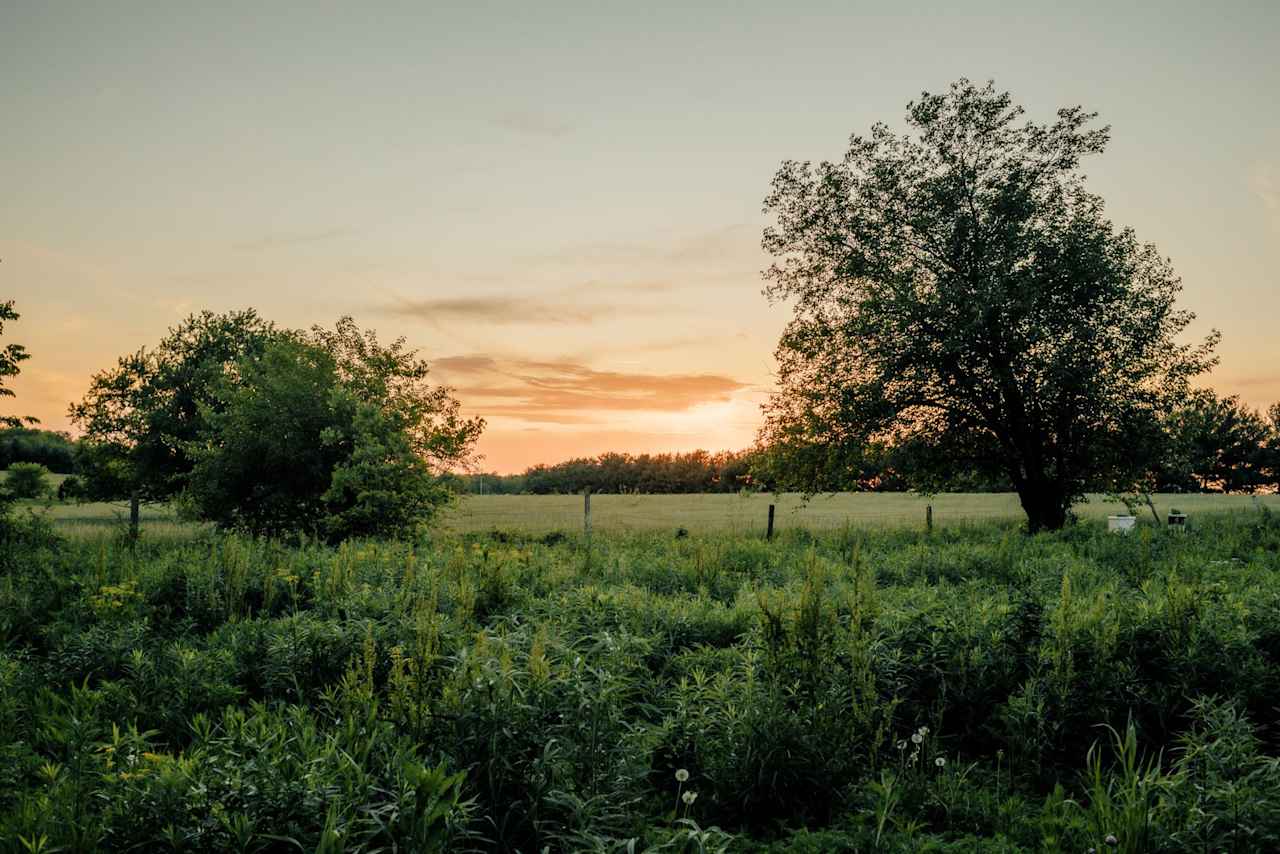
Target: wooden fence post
column 928, row 518
column 586, row 513
column 768, row 534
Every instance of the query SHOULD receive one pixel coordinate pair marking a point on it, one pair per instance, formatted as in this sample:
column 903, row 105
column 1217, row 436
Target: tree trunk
column 1045, row 506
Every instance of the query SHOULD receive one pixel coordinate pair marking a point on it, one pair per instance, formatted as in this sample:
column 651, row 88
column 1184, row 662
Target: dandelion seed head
column 682, row 776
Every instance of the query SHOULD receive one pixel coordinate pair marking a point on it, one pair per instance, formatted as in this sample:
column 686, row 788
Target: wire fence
column 749, row 513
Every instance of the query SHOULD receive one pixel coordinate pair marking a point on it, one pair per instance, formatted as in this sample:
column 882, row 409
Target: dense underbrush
column 972, row 689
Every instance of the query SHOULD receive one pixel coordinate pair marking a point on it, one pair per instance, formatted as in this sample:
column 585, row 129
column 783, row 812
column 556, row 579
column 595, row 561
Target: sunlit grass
column 749, row 513
column 721, row 513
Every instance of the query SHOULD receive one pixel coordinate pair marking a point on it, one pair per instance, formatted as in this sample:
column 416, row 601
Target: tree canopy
column 139, row 417
column 1217, row 444
column 957, row 286
column 331, row 434
column 275, row 431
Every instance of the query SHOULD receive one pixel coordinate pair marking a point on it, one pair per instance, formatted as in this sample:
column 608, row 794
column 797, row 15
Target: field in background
column 724, row 513
column 749, row 513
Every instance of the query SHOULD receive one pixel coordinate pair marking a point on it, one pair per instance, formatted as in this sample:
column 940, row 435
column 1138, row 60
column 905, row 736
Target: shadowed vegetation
column 852, row 690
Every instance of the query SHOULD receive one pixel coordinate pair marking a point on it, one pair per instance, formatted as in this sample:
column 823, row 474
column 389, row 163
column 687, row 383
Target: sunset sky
column 560, row 203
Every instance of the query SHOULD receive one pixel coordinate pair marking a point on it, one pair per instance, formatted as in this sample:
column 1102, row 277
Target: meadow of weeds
column 972, row 689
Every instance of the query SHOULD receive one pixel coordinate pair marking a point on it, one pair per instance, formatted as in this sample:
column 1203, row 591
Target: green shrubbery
column 27, row 480
column 855, row 691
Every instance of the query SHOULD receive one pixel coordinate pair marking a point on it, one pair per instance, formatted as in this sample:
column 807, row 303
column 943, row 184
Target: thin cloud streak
column 533, row 124
column 564, row 306
column 498, row 310
column 279, row 241
column 739, row 240
column 565, row 392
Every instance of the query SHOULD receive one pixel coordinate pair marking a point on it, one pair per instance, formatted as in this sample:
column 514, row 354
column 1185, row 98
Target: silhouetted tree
column 1216, row 444
column 958, row 285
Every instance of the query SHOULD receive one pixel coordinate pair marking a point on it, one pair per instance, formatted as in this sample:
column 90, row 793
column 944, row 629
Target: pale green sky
column 561, row 202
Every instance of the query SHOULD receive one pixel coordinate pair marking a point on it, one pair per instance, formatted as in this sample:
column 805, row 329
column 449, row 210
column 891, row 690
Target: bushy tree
column 139, row 417
column 27, row 480
column 1216, row 444
column 958, row 285
column 330, row 434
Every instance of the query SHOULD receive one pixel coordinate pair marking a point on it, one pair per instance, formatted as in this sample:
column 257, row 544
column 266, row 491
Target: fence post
column 928, row 518
column 768, row 534
column 586, row 513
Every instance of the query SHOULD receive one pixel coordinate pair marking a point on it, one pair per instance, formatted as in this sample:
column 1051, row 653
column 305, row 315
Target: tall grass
column 854, row 689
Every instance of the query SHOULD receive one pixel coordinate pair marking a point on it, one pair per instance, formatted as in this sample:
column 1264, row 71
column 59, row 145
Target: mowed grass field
column 704, row 513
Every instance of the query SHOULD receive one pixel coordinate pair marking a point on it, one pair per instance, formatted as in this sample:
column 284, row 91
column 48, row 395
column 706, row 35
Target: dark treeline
column 695, row 471
column 1211, row 444
column 54, row 451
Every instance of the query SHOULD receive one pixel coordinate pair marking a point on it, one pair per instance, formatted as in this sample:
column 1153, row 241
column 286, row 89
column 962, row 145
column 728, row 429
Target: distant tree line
column 55, row 451
column 1209, row 444
column 695, row 471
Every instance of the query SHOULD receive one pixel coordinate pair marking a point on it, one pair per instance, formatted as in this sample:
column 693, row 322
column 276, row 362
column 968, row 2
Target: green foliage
column 55, row 451
column 650, row 474
column 1220, row 445
column 27, row 480
column 958, row 286
column 324, row 433
column 332, row 436
column 139, row 418
column 884, row 690
column 11, row 357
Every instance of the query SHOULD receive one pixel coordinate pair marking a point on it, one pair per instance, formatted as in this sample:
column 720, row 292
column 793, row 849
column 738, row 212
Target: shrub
column 28, row 480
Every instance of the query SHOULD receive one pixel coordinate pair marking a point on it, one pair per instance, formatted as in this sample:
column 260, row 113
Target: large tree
column 958, row 285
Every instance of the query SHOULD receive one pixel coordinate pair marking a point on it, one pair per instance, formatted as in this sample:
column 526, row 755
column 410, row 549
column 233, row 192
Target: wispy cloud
column 718, row 245
column 534, row 124
column 566, row 392
column 577, row 304
column 278, row 241
column 499, row 310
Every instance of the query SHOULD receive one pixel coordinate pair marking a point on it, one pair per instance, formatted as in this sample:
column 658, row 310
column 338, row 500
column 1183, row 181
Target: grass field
column 720, row 513
column 749, row 513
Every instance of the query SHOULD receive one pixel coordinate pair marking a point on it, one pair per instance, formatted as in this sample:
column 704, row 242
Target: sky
column 560, row 204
